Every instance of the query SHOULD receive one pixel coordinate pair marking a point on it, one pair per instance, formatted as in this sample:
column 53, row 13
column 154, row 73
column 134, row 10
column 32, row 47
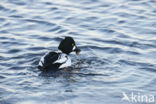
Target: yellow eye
column 73, row 44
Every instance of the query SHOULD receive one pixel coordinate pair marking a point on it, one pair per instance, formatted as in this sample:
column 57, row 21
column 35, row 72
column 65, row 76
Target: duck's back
column 47, row 61
column 51, row 57
column 54, row 61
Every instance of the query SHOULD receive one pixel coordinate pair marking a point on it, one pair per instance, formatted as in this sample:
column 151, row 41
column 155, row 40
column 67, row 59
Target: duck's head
column 68, row 45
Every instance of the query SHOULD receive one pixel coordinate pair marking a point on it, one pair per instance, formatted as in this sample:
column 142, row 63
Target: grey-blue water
column 117, row 39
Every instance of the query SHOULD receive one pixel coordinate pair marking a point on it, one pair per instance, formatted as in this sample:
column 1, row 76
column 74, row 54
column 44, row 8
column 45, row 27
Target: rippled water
column 117, row 39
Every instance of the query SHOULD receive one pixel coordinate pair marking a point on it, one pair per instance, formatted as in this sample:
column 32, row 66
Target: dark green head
column 68, row 45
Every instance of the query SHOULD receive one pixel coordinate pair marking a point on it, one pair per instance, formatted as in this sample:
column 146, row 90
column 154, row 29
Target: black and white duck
column 55, row 60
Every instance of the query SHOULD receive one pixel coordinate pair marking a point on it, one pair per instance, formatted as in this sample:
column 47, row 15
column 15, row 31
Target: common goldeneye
column 55, row 60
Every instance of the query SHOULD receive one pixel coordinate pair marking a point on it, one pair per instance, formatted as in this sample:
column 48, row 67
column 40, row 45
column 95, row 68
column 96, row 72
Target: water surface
column 117, row 39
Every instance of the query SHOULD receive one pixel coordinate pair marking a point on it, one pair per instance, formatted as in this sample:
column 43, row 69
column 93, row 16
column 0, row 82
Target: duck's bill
column 77, row 51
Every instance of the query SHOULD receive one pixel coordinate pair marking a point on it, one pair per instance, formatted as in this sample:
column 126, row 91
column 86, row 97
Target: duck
column 60, row 59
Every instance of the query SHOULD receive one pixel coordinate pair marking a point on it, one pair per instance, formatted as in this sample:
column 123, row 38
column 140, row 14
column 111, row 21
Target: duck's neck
column 59, row 51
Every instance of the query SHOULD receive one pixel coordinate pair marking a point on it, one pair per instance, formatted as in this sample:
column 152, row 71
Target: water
column 117, row 39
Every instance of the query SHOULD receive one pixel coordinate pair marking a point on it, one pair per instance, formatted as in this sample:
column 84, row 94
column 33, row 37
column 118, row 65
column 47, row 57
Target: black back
column 49, row 59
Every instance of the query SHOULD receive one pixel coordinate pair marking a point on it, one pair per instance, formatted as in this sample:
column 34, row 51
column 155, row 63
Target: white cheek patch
column 74, row 48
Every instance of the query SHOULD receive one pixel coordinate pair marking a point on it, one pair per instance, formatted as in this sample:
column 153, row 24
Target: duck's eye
column 73, row 44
